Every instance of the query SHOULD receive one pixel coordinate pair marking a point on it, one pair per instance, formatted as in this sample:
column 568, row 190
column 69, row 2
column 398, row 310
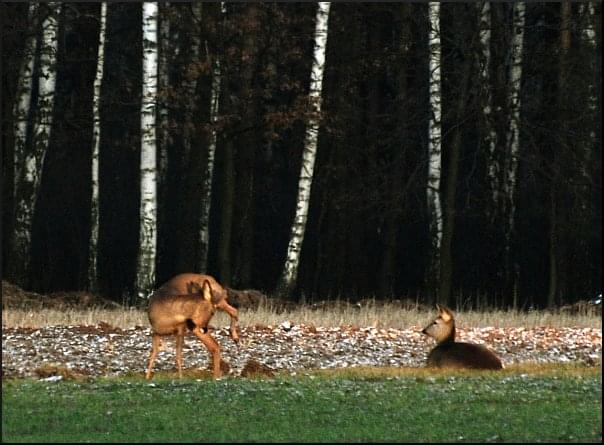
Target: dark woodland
column 367, row 233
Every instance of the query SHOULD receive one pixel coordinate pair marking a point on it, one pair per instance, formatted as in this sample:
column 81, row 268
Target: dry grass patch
column 253, row 368
column 28, row 318
column 53, row 370
column 576, row 370
column 382, row 315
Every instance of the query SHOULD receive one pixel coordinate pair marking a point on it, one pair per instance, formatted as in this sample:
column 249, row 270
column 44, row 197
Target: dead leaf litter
column 103, row 350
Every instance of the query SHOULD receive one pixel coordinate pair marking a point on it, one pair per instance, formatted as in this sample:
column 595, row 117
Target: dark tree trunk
column 452, row 168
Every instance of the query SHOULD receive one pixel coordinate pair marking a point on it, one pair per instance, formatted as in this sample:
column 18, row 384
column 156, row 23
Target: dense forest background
column 368, row 232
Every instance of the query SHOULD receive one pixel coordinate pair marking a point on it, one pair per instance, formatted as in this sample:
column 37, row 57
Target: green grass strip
column 362, row 405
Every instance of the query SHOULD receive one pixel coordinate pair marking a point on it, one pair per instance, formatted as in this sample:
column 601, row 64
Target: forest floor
column 103, row 349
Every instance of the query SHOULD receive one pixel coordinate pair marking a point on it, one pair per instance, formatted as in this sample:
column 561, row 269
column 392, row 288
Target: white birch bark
column 145, row 276
column 204, row 230
column 434, row 140
column 28, row 185
column 96, row 138
column 514, row 131
column 24, row 91
column 290, row 270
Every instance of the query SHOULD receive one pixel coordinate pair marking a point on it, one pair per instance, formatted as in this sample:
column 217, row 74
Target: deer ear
column 207, row 290
column 445, row 313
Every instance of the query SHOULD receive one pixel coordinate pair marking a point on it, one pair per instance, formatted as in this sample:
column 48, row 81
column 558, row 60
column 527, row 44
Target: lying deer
column 188, row 301
column 451, row 354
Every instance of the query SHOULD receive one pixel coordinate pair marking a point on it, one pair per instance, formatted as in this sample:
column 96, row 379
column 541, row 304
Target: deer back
column 463, row 355
column 170, row 314
column 191, row 283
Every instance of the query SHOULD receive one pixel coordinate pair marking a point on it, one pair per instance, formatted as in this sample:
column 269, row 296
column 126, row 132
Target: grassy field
column 559, row 403
column 522, row 403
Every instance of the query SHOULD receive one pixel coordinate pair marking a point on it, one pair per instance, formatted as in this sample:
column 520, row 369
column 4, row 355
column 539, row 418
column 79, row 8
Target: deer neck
column 450, row 337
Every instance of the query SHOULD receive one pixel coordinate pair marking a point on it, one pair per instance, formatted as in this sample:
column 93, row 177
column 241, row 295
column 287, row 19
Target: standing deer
column 451, row 354
column 188, row 301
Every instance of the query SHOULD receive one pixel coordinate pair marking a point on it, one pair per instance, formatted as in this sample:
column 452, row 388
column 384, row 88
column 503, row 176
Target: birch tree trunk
column 32, row 162
column 24, row 91
column 514, row 104
column 290, row 271
column 145, row 276
column 93, row 281
column 204, row 230
column 513, row 135
column 434, row 145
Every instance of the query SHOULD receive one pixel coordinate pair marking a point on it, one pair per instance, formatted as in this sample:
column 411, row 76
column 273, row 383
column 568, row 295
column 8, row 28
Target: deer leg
column 213, row 348
column 156, row 342
column 180, row 338
column 233, row 313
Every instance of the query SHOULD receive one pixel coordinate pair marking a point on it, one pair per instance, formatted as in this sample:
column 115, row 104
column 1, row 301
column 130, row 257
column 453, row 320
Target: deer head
column 442, row 328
